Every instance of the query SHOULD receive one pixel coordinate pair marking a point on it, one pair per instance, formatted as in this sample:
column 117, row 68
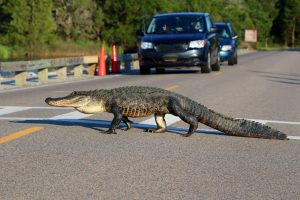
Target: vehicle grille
column 171, row 47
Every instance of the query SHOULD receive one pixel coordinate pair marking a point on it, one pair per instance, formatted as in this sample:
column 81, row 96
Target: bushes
column 4, row 51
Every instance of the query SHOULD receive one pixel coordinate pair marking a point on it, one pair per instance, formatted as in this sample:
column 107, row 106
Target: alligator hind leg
column 161, row 124
column 127, row 123
column 177, row 110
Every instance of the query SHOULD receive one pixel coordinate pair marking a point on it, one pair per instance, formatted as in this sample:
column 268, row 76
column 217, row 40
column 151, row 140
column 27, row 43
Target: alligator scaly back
column 228, row 125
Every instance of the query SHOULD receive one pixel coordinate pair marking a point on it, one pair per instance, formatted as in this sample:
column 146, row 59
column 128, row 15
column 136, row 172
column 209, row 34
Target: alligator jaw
column 68, row 101
column 59, row 102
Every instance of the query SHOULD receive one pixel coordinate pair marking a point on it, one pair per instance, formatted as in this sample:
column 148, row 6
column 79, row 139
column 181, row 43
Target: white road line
column 75, row 117
column 170, row 119
column 293, row 137
column 38, row 107
column 275, row 121
column 8, row 110
column 70, row 81
column 71, row 115
column 140, row 125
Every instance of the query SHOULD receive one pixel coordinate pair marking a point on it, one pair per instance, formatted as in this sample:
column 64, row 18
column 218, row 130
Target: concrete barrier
column 61, row 66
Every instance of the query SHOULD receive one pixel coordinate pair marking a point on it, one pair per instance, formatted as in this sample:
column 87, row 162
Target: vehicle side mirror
column 139, row 33
column 213, row 29
column 235, row 37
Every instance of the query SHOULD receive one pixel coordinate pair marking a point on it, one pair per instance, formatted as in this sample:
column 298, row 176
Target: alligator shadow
column 99, row 125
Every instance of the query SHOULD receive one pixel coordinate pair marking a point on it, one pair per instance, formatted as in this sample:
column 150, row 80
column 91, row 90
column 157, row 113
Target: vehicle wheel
column 231, row 60
column 236, row 58
column 160, row 70
column 216, row 66
column 207, row 67
column 144, row 70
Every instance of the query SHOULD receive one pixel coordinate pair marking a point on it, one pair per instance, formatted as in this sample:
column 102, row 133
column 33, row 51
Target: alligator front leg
column 116, row 120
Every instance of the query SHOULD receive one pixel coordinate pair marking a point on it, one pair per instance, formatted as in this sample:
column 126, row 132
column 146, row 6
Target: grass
column 4, row 52
column 57, row 49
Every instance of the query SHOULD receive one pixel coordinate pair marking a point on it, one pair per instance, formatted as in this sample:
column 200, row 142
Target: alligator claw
column 148, row 130
column 110, row 132
column 187, row 134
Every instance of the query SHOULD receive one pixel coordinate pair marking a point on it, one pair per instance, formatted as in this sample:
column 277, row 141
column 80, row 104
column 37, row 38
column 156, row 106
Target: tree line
column 30, row 23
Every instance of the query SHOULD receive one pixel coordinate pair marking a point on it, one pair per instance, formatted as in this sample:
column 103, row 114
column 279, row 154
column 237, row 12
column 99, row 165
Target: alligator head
column 82, row 101
column 75, row 99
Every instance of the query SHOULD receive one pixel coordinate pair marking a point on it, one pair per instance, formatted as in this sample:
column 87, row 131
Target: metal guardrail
column 60, row 65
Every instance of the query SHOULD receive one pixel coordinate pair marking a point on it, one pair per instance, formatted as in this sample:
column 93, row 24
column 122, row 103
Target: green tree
column 29, row 22
column 286, row 25
column 75, row 19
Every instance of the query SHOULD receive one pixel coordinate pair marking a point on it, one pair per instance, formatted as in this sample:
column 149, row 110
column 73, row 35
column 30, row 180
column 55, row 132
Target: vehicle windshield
column 223, row 31
column 176, row 24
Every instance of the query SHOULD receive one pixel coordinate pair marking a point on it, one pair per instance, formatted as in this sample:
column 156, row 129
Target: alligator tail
column 237, row 127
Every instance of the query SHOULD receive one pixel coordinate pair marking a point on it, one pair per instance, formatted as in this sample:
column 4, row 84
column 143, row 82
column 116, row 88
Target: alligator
column 140, row 101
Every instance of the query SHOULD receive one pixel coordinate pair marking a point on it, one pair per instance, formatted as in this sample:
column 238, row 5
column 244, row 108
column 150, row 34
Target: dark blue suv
column 185, row 39
column 228, row 43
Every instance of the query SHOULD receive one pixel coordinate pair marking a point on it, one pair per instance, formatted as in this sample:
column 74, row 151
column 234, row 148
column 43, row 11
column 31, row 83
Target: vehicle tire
column 236, row 58
column 144, row 70
column 231, row 60
column 207, row 67
column 160, row 70
column 216, row 66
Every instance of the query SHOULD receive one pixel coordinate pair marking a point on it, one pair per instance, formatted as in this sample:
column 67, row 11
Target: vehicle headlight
column 197, row 44
column 146, row 45
column 226, row 47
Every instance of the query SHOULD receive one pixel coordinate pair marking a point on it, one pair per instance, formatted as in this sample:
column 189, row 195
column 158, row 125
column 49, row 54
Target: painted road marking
column 293, row 137
column 97, row 78
column 262, row 121
column 170, row 119
column 8, row 110
column 37, row 107
column 19, row 134
column 171, row 87
column 75, row 116
column 216, row 73
column 141, row 125
column 72, row 115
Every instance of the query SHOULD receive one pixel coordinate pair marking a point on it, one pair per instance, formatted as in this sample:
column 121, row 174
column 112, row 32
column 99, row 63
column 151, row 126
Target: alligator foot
column 187, row 134
column 109, row 131
column 125, row 129
column 157, row 130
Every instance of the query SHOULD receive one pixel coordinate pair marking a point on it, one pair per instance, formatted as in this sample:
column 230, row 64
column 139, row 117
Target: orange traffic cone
column 114, row 60
column 101, row 63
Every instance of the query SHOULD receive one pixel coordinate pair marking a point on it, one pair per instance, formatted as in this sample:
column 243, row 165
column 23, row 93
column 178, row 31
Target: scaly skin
column 137, row 101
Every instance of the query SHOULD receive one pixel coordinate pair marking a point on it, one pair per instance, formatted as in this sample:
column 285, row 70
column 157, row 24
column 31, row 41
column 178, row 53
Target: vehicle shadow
column 167, row 71
column 102, row 125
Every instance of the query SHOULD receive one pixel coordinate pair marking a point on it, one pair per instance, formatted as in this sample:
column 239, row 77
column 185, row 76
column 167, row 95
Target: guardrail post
column 135, row 64
column 20, row 78
column 61, row 73
column 91, row 70
column 43, row 75
column 78, row 71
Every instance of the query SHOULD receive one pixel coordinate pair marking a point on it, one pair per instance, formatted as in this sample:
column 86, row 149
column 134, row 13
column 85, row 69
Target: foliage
column 32, row 24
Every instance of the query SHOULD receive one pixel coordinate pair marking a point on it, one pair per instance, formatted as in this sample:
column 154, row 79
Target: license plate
column 170, row 59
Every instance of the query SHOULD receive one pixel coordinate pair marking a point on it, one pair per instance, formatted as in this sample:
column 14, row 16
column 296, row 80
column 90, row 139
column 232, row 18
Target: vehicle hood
column 224, row 41
column 172, row 38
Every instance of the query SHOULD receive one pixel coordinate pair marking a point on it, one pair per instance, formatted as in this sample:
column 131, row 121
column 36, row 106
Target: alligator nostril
column 47, row 99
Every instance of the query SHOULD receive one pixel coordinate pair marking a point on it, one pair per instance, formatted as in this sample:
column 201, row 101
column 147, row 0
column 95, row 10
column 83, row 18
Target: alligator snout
column 47, row 100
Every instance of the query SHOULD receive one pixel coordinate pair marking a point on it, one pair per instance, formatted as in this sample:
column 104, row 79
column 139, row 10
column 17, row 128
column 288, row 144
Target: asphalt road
column 54, row 153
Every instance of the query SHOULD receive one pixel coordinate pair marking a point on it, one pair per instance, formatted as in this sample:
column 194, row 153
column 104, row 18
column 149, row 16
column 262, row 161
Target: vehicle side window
column 209, row 24
column 231, row 31
column 152, row 26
